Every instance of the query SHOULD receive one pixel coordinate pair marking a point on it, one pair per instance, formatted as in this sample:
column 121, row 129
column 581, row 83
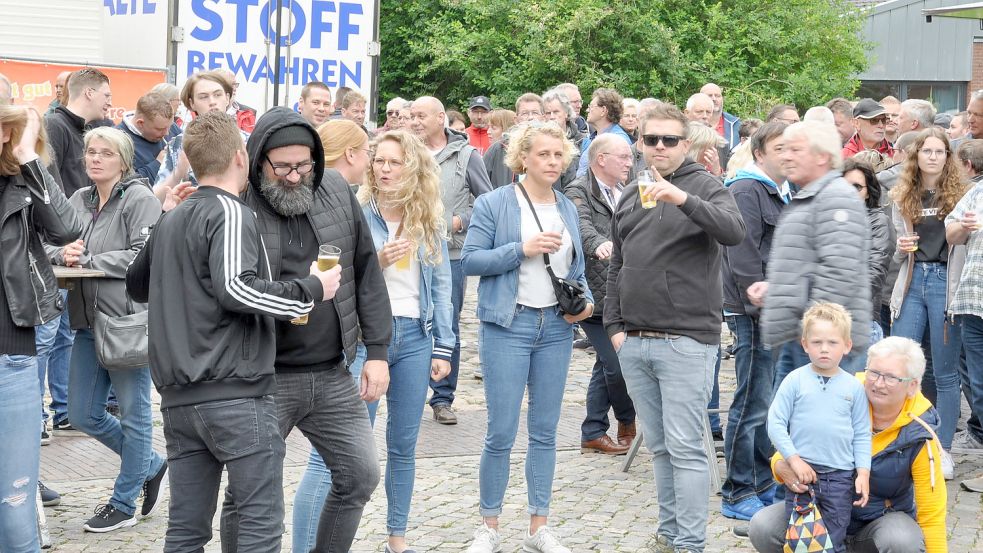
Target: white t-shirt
column 535, row 288
column 403, row 284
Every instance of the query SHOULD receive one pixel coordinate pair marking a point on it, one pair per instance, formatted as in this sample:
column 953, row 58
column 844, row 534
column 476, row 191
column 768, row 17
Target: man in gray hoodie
column 662, row 312
column 462, row 179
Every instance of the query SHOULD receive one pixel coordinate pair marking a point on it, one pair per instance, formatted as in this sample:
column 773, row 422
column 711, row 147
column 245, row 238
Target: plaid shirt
column 968, row 299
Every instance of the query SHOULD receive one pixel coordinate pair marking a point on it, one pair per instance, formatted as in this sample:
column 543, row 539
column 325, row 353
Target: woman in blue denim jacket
column 525, row 339
column 401, row 201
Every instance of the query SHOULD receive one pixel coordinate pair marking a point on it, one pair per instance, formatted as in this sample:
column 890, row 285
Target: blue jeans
column 54, row 345
column 130, row 437
column 924, row 310
column 972, row 341
column 409, row 378
column 747, row 449
column 315, row 484
column 534, row 353
column 606, row 389
column 443, row 390
column 20, row 453
column 670, row 381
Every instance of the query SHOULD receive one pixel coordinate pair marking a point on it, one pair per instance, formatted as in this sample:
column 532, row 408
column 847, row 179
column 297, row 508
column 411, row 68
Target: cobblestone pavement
column 596, row 507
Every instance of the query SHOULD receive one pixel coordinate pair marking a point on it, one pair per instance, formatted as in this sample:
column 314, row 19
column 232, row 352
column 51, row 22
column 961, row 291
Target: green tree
column 798, row 51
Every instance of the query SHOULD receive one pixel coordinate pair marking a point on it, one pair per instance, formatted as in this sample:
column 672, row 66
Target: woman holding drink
column 401, row 201
column 928, row 189
column 525, row 338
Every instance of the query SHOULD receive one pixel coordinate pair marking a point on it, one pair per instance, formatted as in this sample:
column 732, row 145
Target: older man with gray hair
column 915, row 115
column 462, row 179
column 819, row 252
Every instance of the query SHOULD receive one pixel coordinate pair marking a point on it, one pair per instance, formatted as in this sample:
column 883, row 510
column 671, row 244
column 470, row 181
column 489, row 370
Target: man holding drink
column 663, row 314
column 307, row 212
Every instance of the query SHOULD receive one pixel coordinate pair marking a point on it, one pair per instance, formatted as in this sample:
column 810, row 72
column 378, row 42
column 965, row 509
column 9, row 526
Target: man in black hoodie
column 299, row 206
column 662, row 312
column 204, row 272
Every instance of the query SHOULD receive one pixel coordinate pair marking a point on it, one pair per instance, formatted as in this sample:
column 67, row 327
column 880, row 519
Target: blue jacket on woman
column 435, row 287
column 493, row 251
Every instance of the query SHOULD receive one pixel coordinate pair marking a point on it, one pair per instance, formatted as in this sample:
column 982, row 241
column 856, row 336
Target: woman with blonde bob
column 34, row 209
column 525, row 338
column 346, row 149
column 929, row 187
column 401, row 202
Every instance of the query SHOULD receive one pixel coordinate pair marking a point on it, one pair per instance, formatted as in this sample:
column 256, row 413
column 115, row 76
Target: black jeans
column 325, row 406
column 241, row 435
column 606, row 388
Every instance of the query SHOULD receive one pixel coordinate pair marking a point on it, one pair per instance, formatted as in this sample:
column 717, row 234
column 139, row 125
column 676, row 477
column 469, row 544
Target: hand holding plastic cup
column 645, row 182
column 908, row 242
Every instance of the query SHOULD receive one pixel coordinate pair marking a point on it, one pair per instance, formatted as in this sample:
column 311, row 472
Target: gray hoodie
column 462, row 179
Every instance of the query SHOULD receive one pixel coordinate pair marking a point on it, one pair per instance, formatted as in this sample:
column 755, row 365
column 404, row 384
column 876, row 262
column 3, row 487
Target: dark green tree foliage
column 762, row 52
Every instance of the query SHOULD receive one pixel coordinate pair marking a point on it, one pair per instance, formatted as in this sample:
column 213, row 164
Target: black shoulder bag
column 570, row 294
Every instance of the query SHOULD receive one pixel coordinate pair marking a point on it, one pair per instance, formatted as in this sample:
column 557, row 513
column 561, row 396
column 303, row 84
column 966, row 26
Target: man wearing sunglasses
column 300, row 205
column 870, row 120
column 663, row 313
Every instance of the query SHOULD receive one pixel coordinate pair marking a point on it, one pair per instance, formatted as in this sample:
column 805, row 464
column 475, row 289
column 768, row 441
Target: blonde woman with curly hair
column 525, row 338
column 401, row 201
column 929, row 187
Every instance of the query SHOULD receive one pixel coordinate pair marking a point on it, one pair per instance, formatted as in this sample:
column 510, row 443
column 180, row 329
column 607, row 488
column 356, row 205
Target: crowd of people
column 294, row 267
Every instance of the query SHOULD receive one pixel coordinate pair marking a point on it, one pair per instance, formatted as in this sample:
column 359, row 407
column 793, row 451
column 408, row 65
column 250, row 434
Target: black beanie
column 291, row 135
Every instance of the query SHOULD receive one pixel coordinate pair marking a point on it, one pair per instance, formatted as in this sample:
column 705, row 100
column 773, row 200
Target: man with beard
column 300, row 205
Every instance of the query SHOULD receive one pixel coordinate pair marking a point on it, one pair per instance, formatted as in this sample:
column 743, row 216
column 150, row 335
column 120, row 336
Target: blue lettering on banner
column 211, row 25
column 130, row 7
column 255, row 68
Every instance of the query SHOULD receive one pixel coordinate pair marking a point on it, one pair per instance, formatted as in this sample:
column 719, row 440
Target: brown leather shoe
column 626, row 433
column 604, row 445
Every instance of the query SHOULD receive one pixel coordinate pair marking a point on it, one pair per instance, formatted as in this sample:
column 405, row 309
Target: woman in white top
column 401, row 201
column 525, row 338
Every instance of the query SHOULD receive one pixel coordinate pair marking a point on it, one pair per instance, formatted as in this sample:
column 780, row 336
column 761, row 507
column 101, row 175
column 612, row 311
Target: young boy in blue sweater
column 820, row 422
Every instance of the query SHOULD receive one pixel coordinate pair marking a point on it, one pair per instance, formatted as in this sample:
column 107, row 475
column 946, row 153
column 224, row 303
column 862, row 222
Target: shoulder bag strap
column 532, row 208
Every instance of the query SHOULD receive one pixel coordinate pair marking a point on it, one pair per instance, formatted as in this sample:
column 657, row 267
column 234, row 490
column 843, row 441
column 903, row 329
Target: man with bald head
column 726, row 125
column 462, row 179
column 61, row 93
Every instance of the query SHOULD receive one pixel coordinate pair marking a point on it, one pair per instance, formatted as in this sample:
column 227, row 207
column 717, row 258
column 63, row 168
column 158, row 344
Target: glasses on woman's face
column 101, row 154
column 392, row 163
column 889, row 380
column 928, row 152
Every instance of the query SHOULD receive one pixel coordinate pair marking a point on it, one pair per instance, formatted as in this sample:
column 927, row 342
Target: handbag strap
column 532, row 208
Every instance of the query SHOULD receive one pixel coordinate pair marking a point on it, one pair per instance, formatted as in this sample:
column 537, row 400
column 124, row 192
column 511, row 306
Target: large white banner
column 320, row 40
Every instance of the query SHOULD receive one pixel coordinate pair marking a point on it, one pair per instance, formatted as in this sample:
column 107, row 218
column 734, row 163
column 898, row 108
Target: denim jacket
column 435, row 287
column 493, row 251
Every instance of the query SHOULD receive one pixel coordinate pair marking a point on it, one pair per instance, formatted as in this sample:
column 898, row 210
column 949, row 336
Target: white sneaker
column 486, row 540
column 965, row 442
column 543, row 541
column 948, row 465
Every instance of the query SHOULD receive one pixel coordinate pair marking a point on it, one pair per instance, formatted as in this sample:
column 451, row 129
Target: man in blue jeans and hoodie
column 761, row 194
column 662, row 312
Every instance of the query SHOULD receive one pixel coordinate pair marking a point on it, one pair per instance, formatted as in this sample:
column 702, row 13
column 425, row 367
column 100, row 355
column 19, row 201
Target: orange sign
column 34, row 83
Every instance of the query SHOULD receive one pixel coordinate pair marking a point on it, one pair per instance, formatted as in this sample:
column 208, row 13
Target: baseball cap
column 867, row 109
column 480, row 102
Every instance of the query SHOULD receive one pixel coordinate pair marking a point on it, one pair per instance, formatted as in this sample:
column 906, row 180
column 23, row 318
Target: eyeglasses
column 879, row 120
column 283, row 170
column 928, row 152
column 622, row 157
column 393, row 163
column 103, row 154
column 889, row 380
column 669, row 140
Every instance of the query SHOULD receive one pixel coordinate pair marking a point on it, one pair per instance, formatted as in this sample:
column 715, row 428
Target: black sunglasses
column 669, row 140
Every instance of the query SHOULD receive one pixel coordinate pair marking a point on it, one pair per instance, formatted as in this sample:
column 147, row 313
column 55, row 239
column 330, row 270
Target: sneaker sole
column 969, row 450
column 164, row 482
column 124, row 524
column 446, row 422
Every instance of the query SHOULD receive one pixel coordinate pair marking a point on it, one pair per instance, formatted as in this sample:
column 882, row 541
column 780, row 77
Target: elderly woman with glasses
column 905, row 469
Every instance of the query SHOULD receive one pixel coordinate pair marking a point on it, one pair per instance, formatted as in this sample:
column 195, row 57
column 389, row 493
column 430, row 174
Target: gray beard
column 288, row 201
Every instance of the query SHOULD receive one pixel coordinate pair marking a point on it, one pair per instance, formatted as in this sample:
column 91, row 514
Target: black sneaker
column 582, row 343
column 45, row 437
column 49, row 497
column 107, row 519
column 63, row 426
column 151, row 491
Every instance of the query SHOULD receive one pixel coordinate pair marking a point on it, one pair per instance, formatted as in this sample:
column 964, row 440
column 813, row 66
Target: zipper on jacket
column 35, row 273
column 40, row 179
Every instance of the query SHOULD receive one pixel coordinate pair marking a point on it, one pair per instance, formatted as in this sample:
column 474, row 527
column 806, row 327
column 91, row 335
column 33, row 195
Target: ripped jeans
column 20, row 453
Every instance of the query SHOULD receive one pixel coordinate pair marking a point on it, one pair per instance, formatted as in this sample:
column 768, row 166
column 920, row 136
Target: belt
column 653, row 334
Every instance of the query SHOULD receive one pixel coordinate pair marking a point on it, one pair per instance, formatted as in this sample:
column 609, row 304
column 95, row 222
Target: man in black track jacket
column 205, row 275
